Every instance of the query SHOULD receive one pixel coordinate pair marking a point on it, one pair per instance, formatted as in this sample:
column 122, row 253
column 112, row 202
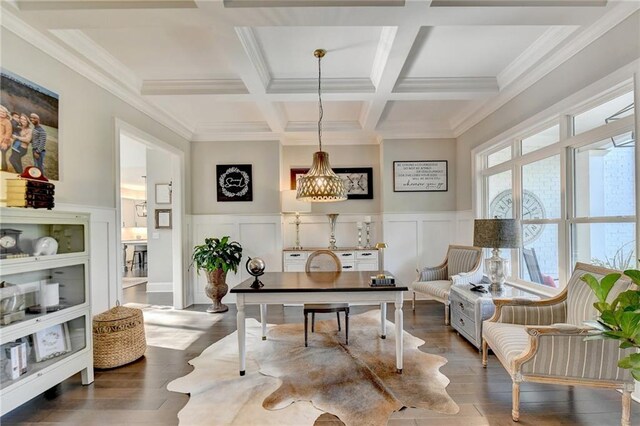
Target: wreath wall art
column 234, row 182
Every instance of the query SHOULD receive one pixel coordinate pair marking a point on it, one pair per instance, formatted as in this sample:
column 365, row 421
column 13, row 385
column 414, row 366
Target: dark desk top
column 286, row 282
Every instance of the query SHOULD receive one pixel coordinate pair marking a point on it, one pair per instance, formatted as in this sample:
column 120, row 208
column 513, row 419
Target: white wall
column 159, row 241
column 414, row 150
column 264, row 156
column 615, row 49
column 87, row 136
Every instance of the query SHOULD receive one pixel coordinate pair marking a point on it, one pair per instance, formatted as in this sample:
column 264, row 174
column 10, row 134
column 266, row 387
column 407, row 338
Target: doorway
column 150, row 210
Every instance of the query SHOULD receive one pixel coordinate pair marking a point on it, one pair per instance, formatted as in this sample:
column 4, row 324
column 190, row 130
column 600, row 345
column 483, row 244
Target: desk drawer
column 345, row 256
column 295, row 255
column 464, row 325
column 461, row 305
column 367, row 255
column 348, row 266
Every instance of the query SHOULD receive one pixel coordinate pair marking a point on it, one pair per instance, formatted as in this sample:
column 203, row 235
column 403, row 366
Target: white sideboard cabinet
column 45, row 306
column 352, row 259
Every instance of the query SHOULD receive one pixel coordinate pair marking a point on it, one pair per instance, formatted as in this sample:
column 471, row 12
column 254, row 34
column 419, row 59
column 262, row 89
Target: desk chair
column 324, row 261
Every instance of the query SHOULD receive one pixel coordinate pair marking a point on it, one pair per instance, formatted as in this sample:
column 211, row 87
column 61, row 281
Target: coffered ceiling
column 244, row 69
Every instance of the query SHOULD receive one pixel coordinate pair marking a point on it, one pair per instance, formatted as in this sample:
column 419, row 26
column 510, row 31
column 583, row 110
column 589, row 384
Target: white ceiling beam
column 447, row 85
column 194, row 87
column 104, row 4
column 394, row 48
column 518, row 3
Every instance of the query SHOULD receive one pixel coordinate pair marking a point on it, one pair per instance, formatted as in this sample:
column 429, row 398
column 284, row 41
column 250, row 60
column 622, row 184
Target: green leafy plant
column 217, row 253
column 619, row 319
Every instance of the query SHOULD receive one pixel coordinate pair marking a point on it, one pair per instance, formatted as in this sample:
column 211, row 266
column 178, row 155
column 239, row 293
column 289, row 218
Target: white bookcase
column 45, row 305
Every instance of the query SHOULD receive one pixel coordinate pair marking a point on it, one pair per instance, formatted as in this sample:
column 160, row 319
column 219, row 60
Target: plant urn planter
column 216, row 289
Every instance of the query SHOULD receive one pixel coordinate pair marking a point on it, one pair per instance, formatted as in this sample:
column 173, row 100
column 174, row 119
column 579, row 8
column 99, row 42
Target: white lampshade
column 290, row 204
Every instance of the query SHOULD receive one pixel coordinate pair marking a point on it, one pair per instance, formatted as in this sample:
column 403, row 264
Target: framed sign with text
column 421, row 176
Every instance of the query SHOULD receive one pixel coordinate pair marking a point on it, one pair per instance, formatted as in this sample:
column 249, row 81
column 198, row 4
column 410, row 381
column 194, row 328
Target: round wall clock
column 501, row 207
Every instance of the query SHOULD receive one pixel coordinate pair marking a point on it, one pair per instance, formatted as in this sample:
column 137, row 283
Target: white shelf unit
column 57, row 337
column 352, row 259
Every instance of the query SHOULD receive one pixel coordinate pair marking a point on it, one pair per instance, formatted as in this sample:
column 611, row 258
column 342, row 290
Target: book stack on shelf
column 383, row 280
column 30, row 193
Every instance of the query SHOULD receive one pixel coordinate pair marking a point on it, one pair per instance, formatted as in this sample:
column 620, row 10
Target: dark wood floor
column 137, row 393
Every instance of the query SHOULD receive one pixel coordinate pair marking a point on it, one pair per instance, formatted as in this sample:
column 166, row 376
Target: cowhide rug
column 288, row 384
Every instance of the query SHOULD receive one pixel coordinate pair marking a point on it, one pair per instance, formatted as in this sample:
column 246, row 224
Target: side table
column 470, row 308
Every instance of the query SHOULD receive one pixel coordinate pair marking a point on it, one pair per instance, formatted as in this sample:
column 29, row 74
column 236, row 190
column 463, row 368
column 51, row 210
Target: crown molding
column 241, row 131
column 329, row 85
column 95, row 53
column 49, row 47
column 310, row 140
column 447, row 84
column 385, row 44
column 544, row 44
column 314, row 3
column 194, row 87
column 413, row 130
column 580, row 41
column 517, row 3
column 253, row 49
column 327, row 126
column 105, row 4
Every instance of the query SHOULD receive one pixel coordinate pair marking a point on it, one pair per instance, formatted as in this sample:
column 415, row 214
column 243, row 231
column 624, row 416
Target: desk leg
column 263, row 320
column 399, row 336
column 383, row 320
column 242, row 348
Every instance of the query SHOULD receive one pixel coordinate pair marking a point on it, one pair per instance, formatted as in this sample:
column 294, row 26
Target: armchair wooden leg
column 413, row 303
column 446, row 314
column 626, row 407
column 485, row 350
column 515, row 397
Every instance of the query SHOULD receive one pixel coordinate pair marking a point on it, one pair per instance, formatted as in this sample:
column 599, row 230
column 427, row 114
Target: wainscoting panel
column 259, row 235
column 402, row 240
column 103, row 265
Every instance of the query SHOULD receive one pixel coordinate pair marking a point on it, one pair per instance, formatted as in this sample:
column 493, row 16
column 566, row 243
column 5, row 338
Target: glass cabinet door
column 24, row 240
column 31, row 294
column 30, row 354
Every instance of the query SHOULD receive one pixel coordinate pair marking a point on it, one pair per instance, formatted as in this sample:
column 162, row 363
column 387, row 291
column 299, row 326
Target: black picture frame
column 234, row 182
column 359, row 180
column 422, row 179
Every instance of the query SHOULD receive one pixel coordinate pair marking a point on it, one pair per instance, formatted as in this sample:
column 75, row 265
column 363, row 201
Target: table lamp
column 381, row 247
column 290, row 204
column 497, row 234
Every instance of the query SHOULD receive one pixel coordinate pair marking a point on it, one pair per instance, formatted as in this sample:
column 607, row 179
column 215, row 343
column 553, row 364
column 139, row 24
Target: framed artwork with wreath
column 234, row 182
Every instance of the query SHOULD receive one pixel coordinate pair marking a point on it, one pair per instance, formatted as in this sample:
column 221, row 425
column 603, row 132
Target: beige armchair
column 461, row 266
column 544, row 341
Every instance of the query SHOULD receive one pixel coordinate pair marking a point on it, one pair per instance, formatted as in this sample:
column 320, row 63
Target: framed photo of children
column 234, row 182
column 28, row 126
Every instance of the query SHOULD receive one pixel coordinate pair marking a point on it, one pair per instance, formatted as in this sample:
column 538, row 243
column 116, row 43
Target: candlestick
column 359, row 235
column 297, row 222
column 368, row 230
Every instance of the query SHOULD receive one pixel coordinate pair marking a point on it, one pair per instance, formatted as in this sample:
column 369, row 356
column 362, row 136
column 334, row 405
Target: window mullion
column 516, row 179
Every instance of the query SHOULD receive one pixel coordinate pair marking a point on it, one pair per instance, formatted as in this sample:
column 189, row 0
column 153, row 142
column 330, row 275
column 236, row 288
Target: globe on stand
column 255, row 267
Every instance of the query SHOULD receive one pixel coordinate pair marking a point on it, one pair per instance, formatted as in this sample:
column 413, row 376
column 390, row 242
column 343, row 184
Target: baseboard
column 159, row 287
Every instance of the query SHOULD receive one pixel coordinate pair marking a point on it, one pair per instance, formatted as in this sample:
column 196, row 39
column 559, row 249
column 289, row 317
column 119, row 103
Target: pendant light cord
column 321, row 112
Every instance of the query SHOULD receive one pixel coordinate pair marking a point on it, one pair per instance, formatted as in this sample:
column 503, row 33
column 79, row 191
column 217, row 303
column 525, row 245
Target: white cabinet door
column 366, row 266
column 294, row 267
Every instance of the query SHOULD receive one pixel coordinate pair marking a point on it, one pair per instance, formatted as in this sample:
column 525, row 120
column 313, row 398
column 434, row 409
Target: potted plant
column 619, row 319
column 216, row 257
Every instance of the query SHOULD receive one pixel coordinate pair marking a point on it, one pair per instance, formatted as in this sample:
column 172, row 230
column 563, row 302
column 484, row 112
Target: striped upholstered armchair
column 544, row 341
column 462, row 266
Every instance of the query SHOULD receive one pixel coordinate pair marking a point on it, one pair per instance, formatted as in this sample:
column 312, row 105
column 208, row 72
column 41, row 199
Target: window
column 540, row 140
column 574, row 194
column 617, row 108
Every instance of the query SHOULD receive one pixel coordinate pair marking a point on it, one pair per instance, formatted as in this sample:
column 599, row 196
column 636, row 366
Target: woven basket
column 118, row 337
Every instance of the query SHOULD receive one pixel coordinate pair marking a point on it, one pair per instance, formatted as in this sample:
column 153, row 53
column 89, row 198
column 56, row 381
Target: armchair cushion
column 580, row 298
column 462, row 260
column 527, row 312
column 508, row 341
column 437, row 289
column 433, row 274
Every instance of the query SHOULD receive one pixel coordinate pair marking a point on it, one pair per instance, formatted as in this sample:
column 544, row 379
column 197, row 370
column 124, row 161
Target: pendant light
column 320, row 184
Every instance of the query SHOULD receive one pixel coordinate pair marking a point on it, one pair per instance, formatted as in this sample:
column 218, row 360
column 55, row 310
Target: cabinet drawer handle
column 347, row 267
column 345, row 254
column 366, row 254
column 294, row 255
column 461, row 321
column 461, row 306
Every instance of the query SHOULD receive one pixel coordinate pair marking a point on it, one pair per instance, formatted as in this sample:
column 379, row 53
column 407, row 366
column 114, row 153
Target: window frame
column 565, row 148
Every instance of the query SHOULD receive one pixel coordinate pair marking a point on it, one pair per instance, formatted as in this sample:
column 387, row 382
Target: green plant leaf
column 594, row 284
column 630, row 361
column 634, row 274
column 606, row 284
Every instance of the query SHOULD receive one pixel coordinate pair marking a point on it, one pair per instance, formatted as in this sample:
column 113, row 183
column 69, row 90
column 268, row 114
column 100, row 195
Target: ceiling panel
column 288, row 51
column 195, row 110
column 423, row 111
column 333, row 111
column 470, row 51
column 167, row 52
